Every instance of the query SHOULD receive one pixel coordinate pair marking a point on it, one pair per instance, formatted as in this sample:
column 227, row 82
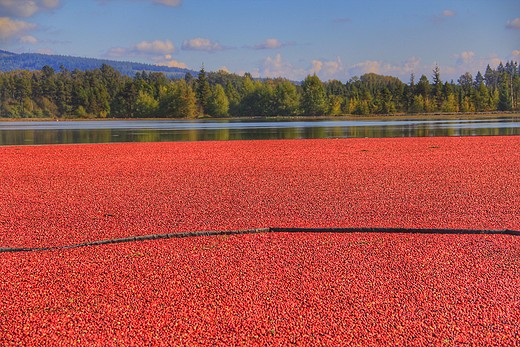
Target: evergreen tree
column 466, row 82
column 436, row 77
column 129, row 94
column 504, row 96
column 412, row 80
column 437, row 87
column 491, row 78
column 387, row 104
column 423, row 87
column 478, row 80
column 515, row 91
column 203, row 91
column 190, row 80
column 482, row 98
column 22, row 87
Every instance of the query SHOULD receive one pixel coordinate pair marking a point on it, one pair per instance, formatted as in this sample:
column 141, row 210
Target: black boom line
column 267, row 230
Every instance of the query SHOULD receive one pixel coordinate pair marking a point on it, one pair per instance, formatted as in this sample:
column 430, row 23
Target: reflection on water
column 38, row 133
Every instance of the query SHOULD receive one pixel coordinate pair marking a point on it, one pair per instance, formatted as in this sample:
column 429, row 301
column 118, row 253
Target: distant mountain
column 34, row 61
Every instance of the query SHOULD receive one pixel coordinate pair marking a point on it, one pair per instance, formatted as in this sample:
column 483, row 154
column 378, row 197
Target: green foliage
column 233, row 98
column 257, row 100
column 146, row 106
column 450, row 104
column 505, row 93
column 106, row 92
column 178, row 101
column 423, row 87
column 286, row 99
column 467, row 105
column 218, row 103
column 466, row 82
column 481, row 98
column 417, row 104
column 314, row 98
column 80, row 112
column 203, row 91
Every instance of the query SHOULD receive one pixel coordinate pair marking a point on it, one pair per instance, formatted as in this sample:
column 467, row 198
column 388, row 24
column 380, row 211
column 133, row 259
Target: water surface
column 99, row 131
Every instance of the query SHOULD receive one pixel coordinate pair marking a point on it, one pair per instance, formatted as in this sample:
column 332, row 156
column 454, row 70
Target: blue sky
column 270, row 38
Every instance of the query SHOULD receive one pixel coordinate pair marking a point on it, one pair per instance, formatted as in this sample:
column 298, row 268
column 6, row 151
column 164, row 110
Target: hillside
column 34, row 61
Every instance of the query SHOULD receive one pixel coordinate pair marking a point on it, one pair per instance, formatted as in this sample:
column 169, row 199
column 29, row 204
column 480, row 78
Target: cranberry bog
column 264, row 288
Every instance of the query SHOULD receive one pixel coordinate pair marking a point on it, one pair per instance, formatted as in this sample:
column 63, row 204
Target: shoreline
column 341, row 117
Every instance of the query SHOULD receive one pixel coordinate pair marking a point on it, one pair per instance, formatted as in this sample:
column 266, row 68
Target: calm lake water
column 69, row 132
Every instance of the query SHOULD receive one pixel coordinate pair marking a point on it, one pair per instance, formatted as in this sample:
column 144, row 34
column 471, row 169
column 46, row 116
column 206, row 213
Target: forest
column 107, row 93
column 33, row 61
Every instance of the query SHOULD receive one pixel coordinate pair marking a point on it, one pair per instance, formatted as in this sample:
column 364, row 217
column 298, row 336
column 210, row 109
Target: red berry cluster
column 262, row 289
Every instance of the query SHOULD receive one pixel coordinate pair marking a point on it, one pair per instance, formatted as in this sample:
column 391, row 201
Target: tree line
column 105, row 92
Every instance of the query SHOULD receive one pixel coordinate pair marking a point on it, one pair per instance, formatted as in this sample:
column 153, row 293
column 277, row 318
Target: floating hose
column 266, row 230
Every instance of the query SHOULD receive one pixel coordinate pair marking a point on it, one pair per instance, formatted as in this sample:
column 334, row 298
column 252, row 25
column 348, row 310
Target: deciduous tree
column 314, row 98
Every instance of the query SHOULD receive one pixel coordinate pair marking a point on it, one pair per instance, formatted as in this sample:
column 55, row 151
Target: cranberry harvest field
column 266, row 288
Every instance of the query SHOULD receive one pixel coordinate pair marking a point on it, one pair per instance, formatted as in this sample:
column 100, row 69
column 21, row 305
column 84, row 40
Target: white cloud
column 336, row 69
column 144, row 48
column 513, row 24
column 115, row 52
column 465, row 58
column 268, row 44
column 469, row 62
column 272, row 44
column 202, row 44
column 225, row 69
column 28, row 39
column 155, row 47
column 461, row 63
column 173, row 63
column 328, row 70
column 448, row 13
column 26, row 8
column 441, row 17
column 317, row 65
column 382, row 67
column 13, row 27
column 168, row 61
column 170, row 3
column 333, row 69
column 276, row 67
